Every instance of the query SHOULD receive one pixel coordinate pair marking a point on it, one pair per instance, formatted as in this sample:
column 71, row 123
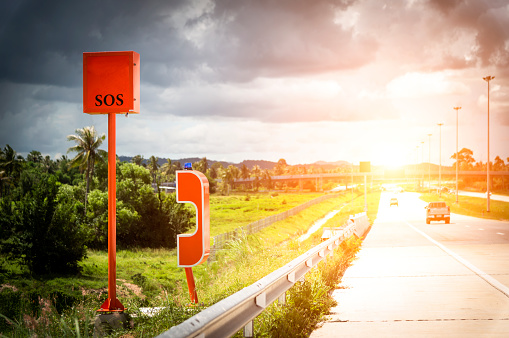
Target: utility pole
column 488, row 79
column 457, row 163
column 429, row 163
column 440, row 160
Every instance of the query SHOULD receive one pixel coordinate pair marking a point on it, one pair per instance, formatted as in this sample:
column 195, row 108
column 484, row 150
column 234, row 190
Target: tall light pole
column 429, row 163
column 488, row 79
column 457, row 163
column 416, row 165
column 440, row 160
column 422, row 171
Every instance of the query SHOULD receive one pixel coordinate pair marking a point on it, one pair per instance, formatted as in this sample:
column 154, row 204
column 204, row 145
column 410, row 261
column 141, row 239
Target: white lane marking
column 480, row 229
column 490, row 280
column 500, row 233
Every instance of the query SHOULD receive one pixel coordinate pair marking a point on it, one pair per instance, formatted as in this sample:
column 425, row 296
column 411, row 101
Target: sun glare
column 393, row 158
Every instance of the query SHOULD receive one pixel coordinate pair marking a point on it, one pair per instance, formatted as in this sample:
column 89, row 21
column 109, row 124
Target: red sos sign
column 111, row 82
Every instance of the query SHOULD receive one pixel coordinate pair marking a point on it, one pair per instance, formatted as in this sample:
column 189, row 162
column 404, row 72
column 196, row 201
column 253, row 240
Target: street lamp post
column 488, row 79
column 440, row 160
column 457, row 163
column 422, row 171
column 429, row 163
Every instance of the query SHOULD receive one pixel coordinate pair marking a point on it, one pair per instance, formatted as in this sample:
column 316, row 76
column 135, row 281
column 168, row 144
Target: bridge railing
column 238, row 311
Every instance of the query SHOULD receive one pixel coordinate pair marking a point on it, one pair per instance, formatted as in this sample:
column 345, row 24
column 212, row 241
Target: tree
column 168, row 169
column 87, row 147
column 144, row 219
column 465, row 159
column 34, row 156
column 267, row 178
column 138, row 159
column 153, row 166
column 201, row 165
column 11, row 162
column 499, row 164
column 281, row 167
column 244, row 171
column 256, row 172
column 42, row 224
column 4, row 179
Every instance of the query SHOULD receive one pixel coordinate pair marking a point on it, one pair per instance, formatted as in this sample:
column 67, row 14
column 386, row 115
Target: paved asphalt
column 414, row 279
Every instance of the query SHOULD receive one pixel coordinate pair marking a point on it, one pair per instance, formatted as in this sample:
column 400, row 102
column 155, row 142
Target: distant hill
column 163, row 160
column 270, row 165
column 261, row 163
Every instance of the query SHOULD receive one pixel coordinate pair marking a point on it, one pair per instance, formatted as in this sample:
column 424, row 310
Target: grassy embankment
column 150, row 277
column 471, row 206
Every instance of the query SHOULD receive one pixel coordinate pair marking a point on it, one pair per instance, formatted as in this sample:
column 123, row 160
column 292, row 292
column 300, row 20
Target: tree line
column 466, row 161
column 51, row 211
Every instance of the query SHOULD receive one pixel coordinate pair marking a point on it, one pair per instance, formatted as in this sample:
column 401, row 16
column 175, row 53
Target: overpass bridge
column 408, row 175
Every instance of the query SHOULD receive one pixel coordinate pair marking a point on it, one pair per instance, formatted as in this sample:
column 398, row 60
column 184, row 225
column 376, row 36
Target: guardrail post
column 249, row 329
column 281, row 300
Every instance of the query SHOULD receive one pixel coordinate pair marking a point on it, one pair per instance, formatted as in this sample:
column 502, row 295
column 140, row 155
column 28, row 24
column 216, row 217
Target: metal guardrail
column 238, row 311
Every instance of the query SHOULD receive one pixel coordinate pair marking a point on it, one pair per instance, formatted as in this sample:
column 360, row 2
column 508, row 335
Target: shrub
column 42, row 225
column 144, row 218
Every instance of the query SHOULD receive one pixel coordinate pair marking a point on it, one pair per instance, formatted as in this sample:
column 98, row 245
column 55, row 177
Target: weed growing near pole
column 309, row 300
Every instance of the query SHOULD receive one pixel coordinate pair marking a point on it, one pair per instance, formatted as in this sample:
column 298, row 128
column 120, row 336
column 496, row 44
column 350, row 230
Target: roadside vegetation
column 53, row 227
column 149, row 277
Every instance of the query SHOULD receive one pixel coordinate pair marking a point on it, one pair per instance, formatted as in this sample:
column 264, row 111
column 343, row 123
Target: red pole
column 112, row 304
column 191, row 286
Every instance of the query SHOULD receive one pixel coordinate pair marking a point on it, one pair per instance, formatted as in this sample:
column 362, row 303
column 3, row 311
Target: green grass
column 471, row 206
column 149, row 277
column 234, row 211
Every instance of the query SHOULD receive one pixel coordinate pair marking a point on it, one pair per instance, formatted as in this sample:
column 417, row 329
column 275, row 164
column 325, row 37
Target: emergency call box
column 111, row 82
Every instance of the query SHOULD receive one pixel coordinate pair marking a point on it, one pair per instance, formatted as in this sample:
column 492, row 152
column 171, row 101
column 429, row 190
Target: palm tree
column 138, row 159
column 3, row 179
column 11, row 162
column 244, row 171
column 34, row 156
column 256, row 172
column 87, row 147
column 153, row 166
column 168, row 168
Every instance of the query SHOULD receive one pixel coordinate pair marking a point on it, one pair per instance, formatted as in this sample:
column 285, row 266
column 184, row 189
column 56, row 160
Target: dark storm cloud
column 490, row 21
column 285, row 38
column 224, row 40
column 43, row 41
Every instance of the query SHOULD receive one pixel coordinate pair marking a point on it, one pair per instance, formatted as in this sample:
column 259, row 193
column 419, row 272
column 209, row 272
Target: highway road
column 414, row 279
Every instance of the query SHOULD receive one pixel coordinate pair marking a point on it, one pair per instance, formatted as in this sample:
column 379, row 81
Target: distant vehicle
column 438, row 211
column 394, row 201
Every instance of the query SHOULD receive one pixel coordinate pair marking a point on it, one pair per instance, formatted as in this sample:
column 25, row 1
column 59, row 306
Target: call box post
column 193, row 249
column 111, row 85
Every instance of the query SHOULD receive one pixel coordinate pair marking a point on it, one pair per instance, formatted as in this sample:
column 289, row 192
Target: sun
column 393, row 157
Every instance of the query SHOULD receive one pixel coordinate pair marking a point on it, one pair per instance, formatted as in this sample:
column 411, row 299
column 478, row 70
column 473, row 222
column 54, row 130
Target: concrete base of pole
column 106, row 323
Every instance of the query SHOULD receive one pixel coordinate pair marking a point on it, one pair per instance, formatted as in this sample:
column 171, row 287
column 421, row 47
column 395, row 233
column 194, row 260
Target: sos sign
column 111, row 82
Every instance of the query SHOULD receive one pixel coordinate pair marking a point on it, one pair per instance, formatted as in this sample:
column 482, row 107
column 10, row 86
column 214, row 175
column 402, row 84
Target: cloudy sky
column 243, row 79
